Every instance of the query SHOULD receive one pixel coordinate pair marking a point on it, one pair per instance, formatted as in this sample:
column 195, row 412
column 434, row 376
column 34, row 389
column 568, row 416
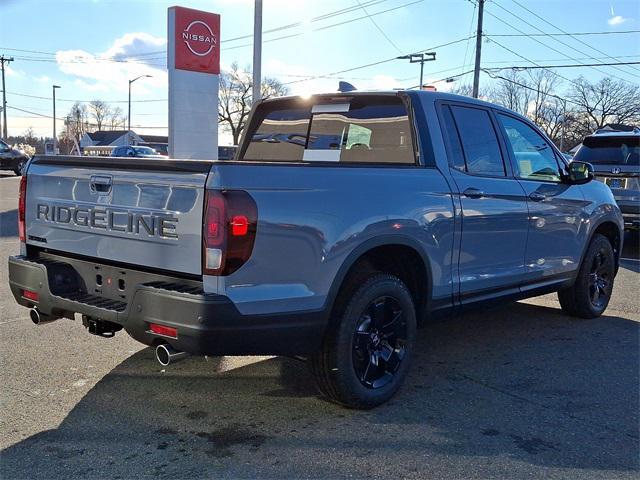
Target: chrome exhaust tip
column 166, row 354
column 39, row 318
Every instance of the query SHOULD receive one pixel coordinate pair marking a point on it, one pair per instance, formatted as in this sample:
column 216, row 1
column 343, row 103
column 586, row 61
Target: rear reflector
column 30, row 295
column 163, row 330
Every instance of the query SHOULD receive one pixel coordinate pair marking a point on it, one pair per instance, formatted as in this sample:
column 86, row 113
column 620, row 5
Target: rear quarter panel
column 311, row 218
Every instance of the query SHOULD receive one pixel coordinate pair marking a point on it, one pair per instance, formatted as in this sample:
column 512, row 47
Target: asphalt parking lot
column 520, row 391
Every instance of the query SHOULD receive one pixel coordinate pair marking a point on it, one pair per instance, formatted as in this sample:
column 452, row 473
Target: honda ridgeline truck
column 343, row 222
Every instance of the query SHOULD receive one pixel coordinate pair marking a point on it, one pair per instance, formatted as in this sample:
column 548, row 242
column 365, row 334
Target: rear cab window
column 366, row 129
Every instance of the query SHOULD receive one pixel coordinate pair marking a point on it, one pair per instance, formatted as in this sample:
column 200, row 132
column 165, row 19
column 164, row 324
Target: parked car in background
column 12, row 158
column 227, row 152
column 136, row 151
column 615, row 157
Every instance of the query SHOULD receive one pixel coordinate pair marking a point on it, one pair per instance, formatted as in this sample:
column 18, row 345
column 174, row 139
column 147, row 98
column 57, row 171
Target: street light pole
column 257, row 51
column 419, row 58
column 129, row 112
column 55, row 137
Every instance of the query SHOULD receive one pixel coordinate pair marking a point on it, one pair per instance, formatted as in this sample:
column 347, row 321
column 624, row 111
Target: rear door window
column 479, row 141
column 362, row 129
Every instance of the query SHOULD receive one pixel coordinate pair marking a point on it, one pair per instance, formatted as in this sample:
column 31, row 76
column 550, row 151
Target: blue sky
column 70, row 42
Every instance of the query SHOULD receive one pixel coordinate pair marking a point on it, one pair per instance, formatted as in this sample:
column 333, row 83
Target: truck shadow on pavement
column 512, row 391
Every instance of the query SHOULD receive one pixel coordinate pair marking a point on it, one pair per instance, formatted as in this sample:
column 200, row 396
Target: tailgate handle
column 101, row 184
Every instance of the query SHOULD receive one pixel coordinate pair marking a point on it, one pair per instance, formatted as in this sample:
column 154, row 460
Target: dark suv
column 12, row 158
column 615, row 157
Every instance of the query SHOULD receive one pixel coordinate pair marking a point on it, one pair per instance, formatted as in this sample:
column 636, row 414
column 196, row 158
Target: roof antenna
column 345, row 87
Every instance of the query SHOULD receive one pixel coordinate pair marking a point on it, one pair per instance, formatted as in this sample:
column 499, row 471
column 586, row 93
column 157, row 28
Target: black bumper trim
column 206, row 324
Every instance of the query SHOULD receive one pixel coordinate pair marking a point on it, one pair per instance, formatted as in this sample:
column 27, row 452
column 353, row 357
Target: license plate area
column 615, row 182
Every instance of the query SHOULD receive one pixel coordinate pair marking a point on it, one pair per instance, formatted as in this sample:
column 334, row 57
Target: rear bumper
column 206, row 324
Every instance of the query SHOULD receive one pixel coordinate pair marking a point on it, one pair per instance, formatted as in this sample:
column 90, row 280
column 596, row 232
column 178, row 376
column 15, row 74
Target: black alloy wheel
column 591, row 292
column 379, row 342
column 600, row 279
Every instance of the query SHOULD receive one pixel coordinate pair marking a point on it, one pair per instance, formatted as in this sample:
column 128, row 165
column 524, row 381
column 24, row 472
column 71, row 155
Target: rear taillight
column 230, row 220
column 22, row 198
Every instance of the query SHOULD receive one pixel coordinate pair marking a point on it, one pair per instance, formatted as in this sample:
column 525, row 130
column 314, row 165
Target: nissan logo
column 615, row 170
column 200, row 41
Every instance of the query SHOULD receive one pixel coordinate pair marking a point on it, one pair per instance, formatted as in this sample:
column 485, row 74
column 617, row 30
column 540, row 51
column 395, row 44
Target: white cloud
column 111, row 69
column 11, row 72
column 42, row 79
column 617, row 20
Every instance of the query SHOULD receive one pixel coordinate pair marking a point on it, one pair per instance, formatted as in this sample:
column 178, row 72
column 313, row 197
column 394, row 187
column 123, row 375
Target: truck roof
column 432, row 96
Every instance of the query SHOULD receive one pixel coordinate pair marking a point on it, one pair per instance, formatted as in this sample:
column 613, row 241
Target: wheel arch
column 611, row 230
column 370, row 252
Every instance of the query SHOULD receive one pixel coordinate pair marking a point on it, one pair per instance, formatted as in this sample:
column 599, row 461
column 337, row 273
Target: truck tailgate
column 143, row 212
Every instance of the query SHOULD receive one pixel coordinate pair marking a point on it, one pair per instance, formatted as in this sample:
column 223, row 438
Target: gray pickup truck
column 344, row 221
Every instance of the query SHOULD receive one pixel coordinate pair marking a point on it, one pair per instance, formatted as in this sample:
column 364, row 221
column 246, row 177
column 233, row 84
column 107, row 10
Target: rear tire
column 589, row 296
column 367, row 351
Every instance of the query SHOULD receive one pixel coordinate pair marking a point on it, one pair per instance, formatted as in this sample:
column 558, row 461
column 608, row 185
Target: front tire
column 367, row 351
column 19, row 168
column 589, row 296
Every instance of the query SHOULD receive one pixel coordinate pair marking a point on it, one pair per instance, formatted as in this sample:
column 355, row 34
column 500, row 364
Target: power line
column 573, row 35
column 326, row 26
column 382, row 32
column 544, row 44
column 529, row 60
column 372, row 64
column 573, row 65
column 41, row 115
column 564, row 34
column 85, row 101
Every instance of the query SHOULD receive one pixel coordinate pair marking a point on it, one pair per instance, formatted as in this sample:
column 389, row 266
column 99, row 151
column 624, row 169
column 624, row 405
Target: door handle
column 537, row 196
column 473, row 193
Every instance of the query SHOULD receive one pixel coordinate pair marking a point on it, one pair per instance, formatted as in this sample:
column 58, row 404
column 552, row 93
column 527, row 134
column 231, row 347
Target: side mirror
column 580, row 173
column 131, row 153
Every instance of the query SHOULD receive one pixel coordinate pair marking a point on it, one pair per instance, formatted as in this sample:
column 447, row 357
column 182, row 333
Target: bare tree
column 100, row 112
column 76, row 123
column 607, row 101
column 116, row 119
column 235, row 98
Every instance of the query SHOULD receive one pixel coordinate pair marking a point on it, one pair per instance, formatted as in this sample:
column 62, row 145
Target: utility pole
column 55, row 137
column 476, row 70
column 4, row 60
column 257, row 51
column 564, row 121
column 419, row 58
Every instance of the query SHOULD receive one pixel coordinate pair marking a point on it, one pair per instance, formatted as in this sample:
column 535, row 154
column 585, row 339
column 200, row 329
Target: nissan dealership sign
column 194, row 65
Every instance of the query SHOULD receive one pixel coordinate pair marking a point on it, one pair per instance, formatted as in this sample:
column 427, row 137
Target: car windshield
column 145, row 151
column 608, row 150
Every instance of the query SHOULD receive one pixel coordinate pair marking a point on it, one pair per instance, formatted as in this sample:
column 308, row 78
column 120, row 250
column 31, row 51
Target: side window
column 452, row 139
column 535, row 159
column 479, row 141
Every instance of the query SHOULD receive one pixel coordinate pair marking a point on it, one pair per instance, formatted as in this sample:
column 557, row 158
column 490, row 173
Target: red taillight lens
column 163, row 330
column 30, row 295
column 239, row 225
column 230, row 221
column 22, row 198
